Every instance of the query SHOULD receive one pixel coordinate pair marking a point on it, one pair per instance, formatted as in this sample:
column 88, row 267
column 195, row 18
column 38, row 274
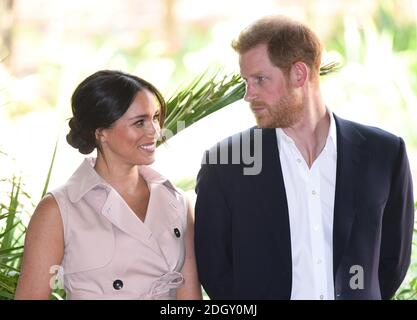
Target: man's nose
column 250, row 93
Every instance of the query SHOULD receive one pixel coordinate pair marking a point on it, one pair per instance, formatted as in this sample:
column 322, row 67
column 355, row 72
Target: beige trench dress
column 109, row 252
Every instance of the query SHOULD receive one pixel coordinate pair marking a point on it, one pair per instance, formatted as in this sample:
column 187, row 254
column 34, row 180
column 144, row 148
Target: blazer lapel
column 270, row 183
column 274, row 190
column 351, row 164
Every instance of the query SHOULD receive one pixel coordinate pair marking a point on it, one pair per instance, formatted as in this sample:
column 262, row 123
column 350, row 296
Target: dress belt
column 160, row 290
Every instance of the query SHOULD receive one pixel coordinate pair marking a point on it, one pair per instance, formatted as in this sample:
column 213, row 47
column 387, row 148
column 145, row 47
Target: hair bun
column 80, row 138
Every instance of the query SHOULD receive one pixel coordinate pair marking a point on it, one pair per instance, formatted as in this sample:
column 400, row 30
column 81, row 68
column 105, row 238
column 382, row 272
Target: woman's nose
column 153, row 129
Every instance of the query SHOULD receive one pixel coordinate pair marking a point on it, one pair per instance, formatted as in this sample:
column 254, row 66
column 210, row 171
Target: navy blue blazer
column 242, row 233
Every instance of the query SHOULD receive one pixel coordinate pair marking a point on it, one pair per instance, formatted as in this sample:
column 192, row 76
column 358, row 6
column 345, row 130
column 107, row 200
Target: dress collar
column 86, row 178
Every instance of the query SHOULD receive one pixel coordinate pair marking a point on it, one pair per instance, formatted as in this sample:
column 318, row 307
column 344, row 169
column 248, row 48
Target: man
column 330, row 213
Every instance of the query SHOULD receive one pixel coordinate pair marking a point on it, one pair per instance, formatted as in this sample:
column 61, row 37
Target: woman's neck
column 125, row 178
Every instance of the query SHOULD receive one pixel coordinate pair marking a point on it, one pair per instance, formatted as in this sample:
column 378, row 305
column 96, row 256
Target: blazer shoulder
column 233, row 153
column 372, row 135
column 232, row 140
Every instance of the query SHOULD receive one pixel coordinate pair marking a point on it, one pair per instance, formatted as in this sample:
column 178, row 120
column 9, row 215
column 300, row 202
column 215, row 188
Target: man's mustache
column 257, row 104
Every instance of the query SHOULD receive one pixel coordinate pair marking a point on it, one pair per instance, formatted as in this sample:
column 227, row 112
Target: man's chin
column 264, row 125
column 263, row 122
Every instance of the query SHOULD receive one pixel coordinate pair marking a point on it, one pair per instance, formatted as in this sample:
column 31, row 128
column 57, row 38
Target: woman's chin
column 147, row 161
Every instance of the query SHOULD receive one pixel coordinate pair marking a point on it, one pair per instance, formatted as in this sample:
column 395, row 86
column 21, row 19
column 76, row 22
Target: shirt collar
column 331, row 136
column 86, row 178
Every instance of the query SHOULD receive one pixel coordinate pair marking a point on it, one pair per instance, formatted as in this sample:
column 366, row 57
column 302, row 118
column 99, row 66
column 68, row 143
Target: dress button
column 117, row 284
column 177, row 232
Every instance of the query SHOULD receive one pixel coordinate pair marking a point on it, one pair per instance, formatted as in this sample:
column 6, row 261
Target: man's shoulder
column 236, row 138
column 369, row 133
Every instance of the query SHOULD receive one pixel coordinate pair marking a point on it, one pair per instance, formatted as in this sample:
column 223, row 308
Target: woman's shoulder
column 47, row 204
column 47, row 214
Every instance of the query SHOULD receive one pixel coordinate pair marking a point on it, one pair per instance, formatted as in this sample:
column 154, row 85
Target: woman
column 117, row 229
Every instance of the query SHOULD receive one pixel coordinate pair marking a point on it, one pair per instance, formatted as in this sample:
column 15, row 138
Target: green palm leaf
column 199, row 99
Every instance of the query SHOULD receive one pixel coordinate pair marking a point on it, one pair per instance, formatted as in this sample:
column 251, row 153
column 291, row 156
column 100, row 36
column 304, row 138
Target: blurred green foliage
column 408, row 290
column 380, row 67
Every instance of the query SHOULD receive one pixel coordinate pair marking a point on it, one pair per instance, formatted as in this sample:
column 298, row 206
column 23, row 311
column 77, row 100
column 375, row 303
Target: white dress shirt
column 310, row 196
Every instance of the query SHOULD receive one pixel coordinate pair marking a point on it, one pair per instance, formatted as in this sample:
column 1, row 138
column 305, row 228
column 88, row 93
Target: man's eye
column 156, row 117
column 260, row 78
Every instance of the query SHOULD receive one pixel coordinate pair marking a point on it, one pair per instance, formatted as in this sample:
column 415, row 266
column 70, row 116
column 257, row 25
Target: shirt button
column 117, row 284
column 177, row 232
column 321, row 297
column 319, row 261
column 313, row 192
column 299, row 160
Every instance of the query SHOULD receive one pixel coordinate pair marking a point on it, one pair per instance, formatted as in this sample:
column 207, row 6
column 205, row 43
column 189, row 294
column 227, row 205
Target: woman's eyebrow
column 138, row 116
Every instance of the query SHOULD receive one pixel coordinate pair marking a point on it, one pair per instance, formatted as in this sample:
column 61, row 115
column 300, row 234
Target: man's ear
column 299, row 74
column 101, row 135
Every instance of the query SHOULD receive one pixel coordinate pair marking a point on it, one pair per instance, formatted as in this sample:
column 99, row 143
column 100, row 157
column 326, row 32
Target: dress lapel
column 117, row 211
column 167, row 221
column 165, row 209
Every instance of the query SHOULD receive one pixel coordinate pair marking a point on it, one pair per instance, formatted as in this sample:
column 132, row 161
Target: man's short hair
column 288, row 41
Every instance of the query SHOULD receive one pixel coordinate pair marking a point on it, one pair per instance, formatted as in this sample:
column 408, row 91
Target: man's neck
column 310, row 133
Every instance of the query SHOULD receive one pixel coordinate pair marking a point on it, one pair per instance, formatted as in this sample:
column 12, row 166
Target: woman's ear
column 299, row 74
column 101, row 135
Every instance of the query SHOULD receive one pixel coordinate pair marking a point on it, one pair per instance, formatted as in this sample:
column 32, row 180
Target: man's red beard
column 283, row 114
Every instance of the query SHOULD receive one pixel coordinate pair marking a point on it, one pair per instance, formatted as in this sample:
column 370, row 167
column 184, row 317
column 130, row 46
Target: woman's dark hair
column 100, row 100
